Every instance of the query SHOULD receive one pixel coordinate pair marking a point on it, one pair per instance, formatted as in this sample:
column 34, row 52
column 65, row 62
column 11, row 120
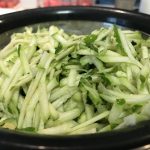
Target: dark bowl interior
column 79, row 20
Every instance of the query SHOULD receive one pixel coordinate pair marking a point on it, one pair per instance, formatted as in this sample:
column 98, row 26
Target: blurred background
column 7, row 6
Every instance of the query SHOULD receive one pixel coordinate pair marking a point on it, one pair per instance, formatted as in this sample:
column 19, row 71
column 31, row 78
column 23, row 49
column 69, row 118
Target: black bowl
column 132, row 137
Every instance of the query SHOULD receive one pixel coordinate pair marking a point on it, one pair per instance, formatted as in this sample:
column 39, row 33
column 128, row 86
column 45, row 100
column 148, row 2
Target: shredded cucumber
column 52, row 82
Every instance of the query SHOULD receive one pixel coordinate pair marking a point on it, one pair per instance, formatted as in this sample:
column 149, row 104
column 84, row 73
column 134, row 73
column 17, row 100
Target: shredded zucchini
column 52, row 82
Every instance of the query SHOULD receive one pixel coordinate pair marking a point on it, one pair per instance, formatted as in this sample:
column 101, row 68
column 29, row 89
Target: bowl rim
column 131, row 137
column 94, row 13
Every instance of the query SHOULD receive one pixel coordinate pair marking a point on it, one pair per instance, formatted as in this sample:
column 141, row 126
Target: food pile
column 52, row 82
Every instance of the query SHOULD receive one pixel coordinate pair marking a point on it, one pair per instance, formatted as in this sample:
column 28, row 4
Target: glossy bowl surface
column 75, row 20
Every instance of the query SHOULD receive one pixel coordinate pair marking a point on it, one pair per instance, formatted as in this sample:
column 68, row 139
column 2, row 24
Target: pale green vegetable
column 52, row 82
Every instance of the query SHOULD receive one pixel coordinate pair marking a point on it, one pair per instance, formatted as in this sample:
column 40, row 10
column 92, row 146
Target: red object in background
column 52, row 3
column 67, row 2
column 8, row 3
column 85, row 2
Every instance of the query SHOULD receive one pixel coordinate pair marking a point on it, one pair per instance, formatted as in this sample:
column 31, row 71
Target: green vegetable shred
column 52, row 82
